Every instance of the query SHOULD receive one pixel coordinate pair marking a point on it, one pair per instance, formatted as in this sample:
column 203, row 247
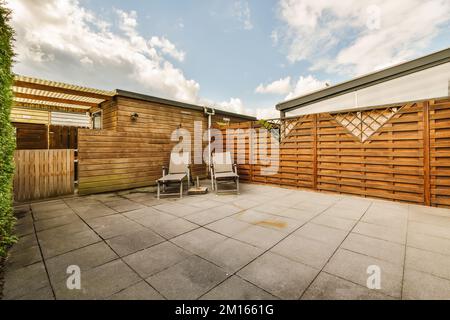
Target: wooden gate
column 43, row 174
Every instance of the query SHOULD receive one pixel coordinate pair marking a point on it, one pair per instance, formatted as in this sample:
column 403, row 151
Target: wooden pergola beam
column 52, row 99
column 49, row 107
column 43, row 87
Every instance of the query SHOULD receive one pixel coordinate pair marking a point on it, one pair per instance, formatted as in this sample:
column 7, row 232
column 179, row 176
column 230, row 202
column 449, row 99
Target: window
column 97, row 120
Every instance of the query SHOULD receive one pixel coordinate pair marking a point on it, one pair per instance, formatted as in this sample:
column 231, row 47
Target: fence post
column 314, row 152
column 251, row 153
column 426, row 153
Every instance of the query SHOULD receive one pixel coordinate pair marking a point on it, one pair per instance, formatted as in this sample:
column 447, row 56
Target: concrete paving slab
column 263, row 238
column 228, row 226
column 424, row 286
column 45, row 293
column 279, row 276
column 309, row 252
column 213, row 214
column 428, row 262
column 381, row 232
column 129, row 243
column 22, row 281
column 354, row 267
column 235, row 288
column 86, row 258
column 329, row 287
column 429, row 243
column 174, row 228
column 53, row 245
column 93, row 211
column 334, row 222
column 199, row 240
column 99, row 283
column 115, row 225
column 188, row 279
column 155, row 259
column 231, row 254
column 381, row 249
column 331, row 236
column 23, row 258
column 123, row 205
column 429, row 229
column 140, row 291
column 179, row 210
column 56, row 221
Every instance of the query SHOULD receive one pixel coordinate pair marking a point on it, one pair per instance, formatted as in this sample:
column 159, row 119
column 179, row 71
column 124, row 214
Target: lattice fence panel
column 363, row 124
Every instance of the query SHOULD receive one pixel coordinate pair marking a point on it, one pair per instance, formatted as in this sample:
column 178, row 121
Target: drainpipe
column 210, row 112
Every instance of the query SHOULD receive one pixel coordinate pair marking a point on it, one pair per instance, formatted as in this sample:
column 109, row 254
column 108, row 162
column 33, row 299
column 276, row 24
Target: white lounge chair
column 224, row 171
column 178, row 173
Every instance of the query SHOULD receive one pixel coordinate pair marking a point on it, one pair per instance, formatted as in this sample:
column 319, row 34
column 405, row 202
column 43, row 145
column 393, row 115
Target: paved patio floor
column 266, row 243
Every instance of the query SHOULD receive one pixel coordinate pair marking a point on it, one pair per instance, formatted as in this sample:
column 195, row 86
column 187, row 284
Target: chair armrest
column 235, row 167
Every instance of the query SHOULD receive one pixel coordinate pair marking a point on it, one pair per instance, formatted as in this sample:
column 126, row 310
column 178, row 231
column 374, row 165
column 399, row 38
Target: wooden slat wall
column 31, row 136
column 29, row 116
column 156, row 118
column 407, row 159
column 130, row 154
column 41, row 174
column 440, row 152
column 109, row 160
column 109, row 115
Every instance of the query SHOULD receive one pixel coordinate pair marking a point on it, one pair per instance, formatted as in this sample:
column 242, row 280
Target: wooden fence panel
column 404, row 156
column 41, row 174
column 440, row 152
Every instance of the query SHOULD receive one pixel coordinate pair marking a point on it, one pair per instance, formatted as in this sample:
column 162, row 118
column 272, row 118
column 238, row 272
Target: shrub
column 7, row 139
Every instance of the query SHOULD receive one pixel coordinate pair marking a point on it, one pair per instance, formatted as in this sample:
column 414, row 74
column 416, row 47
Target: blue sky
column 239, row 55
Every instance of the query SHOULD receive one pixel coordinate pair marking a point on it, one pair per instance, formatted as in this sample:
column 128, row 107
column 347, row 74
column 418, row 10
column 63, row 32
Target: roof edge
column 393, row 72
column 179, row 104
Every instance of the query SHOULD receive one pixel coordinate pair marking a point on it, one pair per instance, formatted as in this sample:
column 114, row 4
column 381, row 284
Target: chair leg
column 157, row 190
column 181, row 189
column 237, row 185
column 217, row 188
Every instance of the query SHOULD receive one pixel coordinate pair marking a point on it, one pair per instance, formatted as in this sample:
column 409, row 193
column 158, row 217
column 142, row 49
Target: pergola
column 57, row 96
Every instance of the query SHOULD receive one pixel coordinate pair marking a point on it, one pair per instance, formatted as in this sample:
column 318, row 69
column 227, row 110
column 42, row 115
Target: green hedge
column 7, row 139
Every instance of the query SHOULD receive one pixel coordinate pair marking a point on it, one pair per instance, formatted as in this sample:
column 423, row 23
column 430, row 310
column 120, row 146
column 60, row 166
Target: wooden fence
column 394, row 152
column 41, row 174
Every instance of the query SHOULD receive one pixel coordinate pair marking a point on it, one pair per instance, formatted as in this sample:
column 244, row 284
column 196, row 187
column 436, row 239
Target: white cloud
column 267, row 113
column 305, row 85
column 292, row 89
column 61, row 40
column 241, row 10
column 167, row 47
column 282, row 86
column 359, row 36
column 87, row 61
column 233, row 105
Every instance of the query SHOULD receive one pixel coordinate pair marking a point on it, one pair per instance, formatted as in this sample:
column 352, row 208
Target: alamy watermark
column 73, row 281
column 374, row 278
column 250, row 145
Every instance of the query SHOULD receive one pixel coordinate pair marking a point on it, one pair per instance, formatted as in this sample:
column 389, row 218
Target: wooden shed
column 135, row 140
column 114, row 139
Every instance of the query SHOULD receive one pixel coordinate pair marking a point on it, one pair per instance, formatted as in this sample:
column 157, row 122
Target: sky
column 243, row 56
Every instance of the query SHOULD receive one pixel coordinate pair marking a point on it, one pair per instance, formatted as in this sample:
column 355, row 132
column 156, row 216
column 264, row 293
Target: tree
column 7, row 138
